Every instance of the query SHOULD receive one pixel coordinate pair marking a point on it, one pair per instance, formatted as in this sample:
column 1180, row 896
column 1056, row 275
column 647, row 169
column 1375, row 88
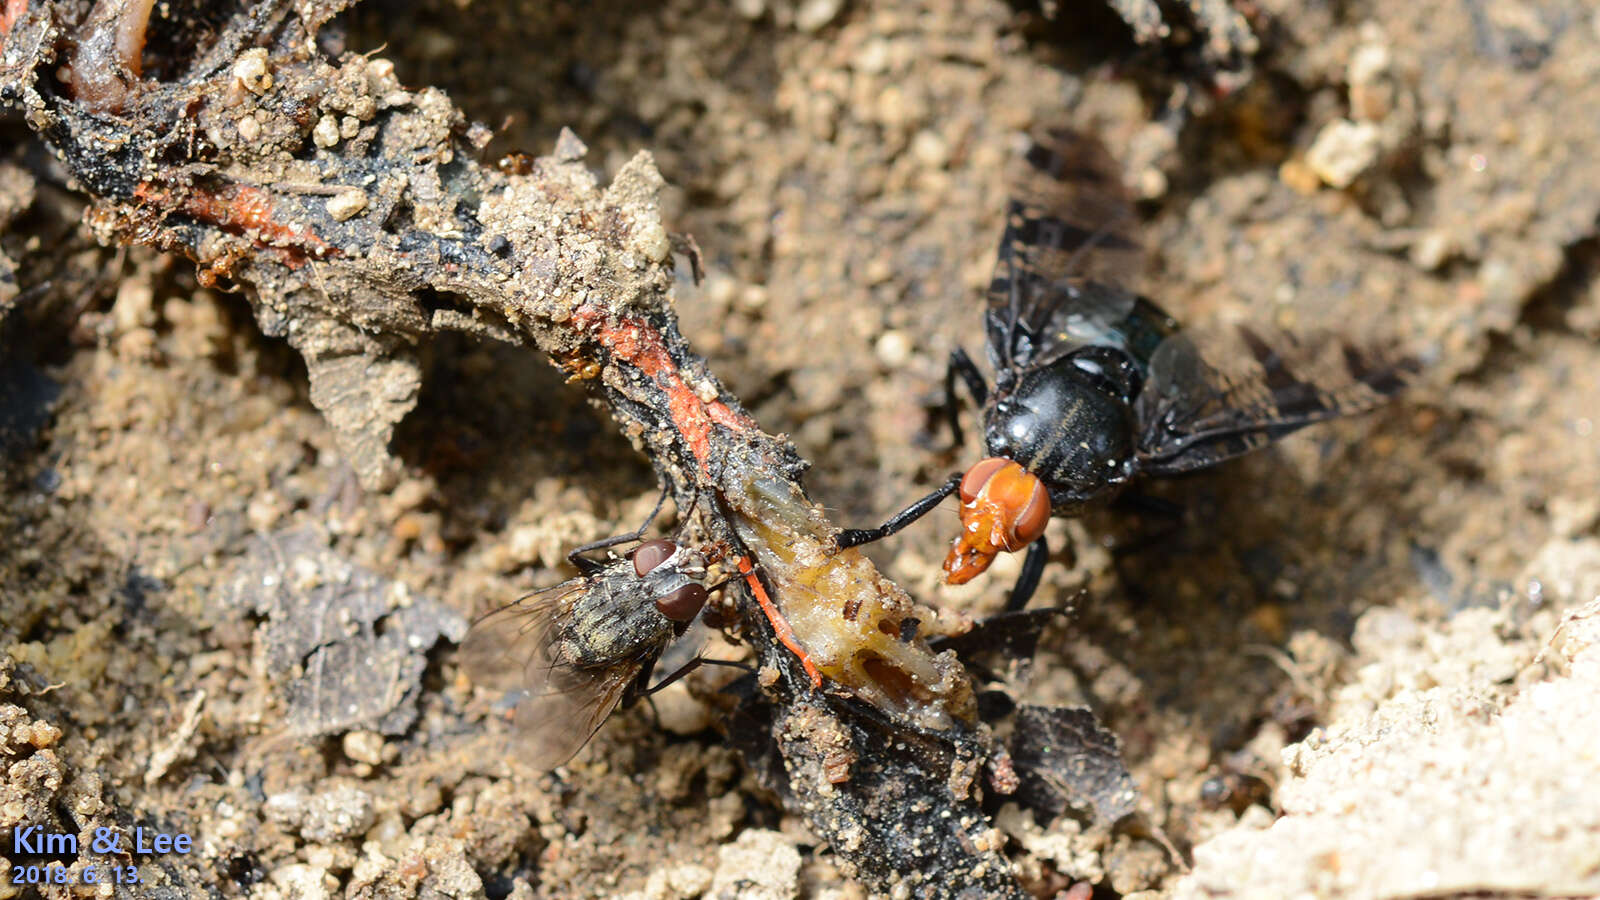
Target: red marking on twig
column 244, row 210
column 634, row 341
column 780, row 625
column 10, row 12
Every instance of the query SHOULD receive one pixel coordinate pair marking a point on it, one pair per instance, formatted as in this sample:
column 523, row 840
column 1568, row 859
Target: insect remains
column 1096, row 386
column 584, row 647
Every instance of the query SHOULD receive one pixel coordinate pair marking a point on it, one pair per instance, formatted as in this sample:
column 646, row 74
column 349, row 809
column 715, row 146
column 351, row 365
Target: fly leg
column 1032, row 570
column 961, row 365
column 646, row 693
column 587, row 566
column 693, row 664
column 854, row 537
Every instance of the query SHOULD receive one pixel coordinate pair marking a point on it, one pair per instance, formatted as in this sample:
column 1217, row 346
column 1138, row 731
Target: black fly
column 1095, row 385
column 585, row 646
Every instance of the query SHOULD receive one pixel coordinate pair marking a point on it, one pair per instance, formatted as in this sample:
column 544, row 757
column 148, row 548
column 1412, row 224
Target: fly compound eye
column 650, row 555
column 984, row 469
column 1031, row 503
column 683, row 604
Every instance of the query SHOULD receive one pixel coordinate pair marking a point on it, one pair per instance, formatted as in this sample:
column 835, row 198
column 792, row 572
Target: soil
column 1366, row 620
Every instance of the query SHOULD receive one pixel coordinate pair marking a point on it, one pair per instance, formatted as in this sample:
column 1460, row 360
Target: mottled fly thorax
column 615, row 619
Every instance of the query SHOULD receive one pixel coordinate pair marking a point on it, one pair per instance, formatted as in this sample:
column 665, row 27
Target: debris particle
column 759, row 865
column 347, row 204
column 325, row 817
column 178, row 746
column 352, row 656
column 253, row 71
column 1065, row 759
column 1343, row 151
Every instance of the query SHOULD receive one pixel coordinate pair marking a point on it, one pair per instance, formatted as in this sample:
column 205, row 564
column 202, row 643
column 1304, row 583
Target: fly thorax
column 1067, row 427
column 615, row 619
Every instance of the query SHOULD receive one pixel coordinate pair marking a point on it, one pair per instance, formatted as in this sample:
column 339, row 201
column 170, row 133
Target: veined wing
column 557, row 723
column 1214, row 394
column 518, row 648
column 1068, row 257
column 513, row 646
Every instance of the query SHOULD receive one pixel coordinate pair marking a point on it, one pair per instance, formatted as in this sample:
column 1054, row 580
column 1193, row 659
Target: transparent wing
column 514, row 646
column 557, row 723
column 1069, row 254
column 518, row 648
column 1216, row 393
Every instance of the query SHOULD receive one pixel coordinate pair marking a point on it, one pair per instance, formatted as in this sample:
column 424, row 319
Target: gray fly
column 582, row 648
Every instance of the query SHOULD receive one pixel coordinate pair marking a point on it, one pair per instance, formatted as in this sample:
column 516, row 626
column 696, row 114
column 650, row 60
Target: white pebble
column 252, row 70
column 814, row 14
column 893, row 349
column 1342, row 151
column 347, row 204
column 326, row 133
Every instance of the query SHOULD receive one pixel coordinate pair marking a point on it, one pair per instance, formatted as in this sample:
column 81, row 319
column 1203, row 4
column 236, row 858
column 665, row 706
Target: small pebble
column 569, row 147
column 652, row 241
column 893, row 349
column 812, row 15
column 1342, row 151
column 873, row 57
column 380, row 76
column 326, row 134
column 347, row 204
column 930, row 149
column 364, row 747
column 252, row 70
column 1432, row 251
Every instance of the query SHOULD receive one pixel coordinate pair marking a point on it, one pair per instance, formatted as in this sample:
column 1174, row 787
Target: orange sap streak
column 780, row 625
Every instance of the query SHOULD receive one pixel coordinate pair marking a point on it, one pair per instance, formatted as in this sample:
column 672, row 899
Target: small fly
column 587, row 645
column 1096, row 385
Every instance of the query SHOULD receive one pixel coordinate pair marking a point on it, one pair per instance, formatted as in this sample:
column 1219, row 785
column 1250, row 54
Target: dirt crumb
column 758, row 865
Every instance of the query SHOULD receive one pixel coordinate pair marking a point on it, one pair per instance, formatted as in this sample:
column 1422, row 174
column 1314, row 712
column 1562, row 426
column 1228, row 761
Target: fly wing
column 1068, row 256
column 518, row 648
column 512, row 646
column 1214, row 394
column 556, row 723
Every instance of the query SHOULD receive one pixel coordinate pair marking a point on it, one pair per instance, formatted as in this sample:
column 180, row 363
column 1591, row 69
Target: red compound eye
column 682, row 604
column 1025, row 504
column 650, row 555
column 980, row 473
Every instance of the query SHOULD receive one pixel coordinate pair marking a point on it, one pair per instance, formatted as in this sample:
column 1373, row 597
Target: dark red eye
column 650, row 554
column 682, row 604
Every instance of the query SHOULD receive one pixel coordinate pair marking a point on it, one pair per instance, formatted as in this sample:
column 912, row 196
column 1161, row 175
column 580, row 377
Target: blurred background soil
column 1324, row 677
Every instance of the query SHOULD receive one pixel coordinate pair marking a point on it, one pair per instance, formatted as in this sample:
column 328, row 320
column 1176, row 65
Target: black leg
column 1032, row 570
column 961, row 365
column 693, row 664
column 588, row 566
column 854, row 537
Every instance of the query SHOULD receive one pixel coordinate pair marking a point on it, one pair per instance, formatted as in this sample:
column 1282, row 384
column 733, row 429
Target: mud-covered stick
column 359, row 220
